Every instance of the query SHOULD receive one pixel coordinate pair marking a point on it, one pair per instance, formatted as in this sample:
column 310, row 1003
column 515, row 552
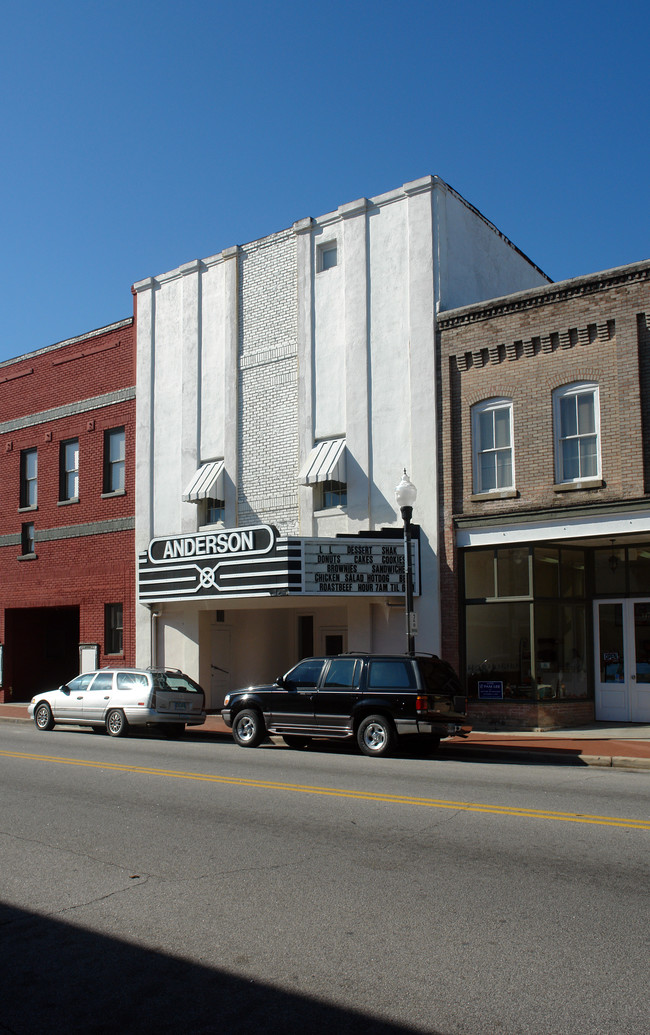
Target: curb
column 547, row 757
column 457, row 752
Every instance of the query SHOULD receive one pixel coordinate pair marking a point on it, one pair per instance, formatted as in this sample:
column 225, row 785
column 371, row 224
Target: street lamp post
column 405, row 495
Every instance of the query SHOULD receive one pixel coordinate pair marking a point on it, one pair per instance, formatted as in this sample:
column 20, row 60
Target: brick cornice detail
column 548, row 295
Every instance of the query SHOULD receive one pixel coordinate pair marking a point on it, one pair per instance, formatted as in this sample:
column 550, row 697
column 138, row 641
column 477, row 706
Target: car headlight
column 226, row 700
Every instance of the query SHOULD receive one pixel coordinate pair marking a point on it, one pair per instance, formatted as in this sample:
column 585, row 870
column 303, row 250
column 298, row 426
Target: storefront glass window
column 639, row 568
column 609, row 571
column 499, row 633
column 547, row 571
column 479, row 574
column 573, row 675
column 498, row 649
column 512, row 572
column 560, row 659
column 572, row 573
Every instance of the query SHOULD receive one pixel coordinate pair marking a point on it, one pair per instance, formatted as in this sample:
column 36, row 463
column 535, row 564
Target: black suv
column 375, row 698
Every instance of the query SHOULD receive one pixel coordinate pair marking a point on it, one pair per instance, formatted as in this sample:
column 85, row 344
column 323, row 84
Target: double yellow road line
column 334, row 792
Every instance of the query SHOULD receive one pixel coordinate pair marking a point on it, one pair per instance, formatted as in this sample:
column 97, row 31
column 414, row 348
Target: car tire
column 43, row 718
column 376, row 736
column 116, row 724
column 248, row 728
column 297, row 742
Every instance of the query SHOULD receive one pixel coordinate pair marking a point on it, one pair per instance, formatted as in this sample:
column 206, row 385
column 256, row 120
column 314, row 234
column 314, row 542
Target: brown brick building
column 67, row 470
column 545, row 500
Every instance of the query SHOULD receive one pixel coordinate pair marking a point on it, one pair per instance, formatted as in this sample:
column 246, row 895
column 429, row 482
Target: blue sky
column 139, row 135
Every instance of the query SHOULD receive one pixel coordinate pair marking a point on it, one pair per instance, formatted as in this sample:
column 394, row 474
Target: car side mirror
column 280, row 681
column 65, row 688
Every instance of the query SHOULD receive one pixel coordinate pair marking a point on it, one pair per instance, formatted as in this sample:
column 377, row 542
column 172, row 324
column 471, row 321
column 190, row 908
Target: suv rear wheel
column 376, row 736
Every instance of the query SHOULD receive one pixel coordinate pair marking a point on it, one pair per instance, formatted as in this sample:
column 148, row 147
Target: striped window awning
column 325, row 463
column 207, row 483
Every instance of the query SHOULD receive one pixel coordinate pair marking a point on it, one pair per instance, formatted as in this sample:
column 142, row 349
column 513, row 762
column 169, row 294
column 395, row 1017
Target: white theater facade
column 283, row 386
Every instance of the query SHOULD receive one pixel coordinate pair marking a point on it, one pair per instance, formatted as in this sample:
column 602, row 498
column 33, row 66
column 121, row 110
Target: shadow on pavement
column 57, row 977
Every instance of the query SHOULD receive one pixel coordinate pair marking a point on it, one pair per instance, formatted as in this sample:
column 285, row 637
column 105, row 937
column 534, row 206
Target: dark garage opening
column 41, row 649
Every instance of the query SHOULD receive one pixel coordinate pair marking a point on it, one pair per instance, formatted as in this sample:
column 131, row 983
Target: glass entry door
column 622, row 663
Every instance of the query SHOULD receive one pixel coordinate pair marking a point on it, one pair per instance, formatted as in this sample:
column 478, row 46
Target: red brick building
column 67, row 469
column 545, row 500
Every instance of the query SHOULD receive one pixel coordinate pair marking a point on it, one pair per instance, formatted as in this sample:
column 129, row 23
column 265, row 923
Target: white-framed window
column 69, row 470
column 327, row 256
column 492, row 438
column 28, row 479
column 576, row 422
column 114, row 460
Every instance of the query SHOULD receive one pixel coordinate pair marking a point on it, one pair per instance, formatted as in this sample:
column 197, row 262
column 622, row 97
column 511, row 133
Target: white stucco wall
column 253, row 355
column 476, row 261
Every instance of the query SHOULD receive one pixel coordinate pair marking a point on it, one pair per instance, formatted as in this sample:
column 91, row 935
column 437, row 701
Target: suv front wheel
column 248, row 728
column 376, row 736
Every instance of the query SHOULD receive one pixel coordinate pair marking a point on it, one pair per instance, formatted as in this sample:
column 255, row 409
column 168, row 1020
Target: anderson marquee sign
column 248, row 562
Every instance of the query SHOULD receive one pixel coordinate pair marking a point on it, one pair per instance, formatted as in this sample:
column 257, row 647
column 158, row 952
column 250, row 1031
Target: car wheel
column 116, row 724
column 248, row 728
column 296, row 742
column 376, row 735
column 43, row 717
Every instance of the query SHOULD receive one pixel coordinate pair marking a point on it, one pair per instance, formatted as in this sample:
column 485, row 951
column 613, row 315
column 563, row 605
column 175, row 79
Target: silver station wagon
column 115, row 699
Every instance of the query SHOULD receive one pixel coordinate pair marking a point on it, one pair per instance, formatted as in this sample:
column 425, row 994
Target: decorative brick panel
column 268, row 383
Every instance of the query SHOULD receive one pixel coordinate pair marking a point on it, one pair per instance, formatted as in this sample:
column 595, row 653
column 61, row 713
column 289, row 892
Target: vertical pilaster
column 357, row 417
column 191, row 380
column 305, row 335
column 231, row 380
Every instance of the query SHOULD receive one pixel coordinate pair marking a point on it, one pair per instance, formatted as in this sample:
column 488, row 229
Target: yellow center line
column 333, row 792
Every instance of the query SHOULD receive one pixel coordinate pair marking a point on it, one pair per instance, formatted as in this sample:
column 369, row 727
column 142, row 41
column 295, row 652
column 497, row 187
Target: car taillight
column 422, row 703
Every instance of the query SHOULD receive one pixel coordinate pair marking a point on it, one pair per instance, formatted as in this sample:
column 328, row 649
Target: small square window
column 113, row 629
column 327, row 256
column 214, row 511
column 332, row 494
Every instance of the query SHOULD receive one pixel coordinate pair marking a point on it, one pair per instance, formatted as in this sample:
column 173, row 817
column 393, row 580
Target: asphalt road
column 193, row 886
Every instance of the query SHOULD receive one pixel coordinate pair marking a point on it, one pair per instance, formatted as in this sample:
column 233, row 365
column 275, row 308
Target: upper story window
column 69, row 470
column 331, row 494
column 327, row 256
column 492, row 445
column 113, row 628
column 28, row 477
column 114, row 460
column 576, row 420
column 325, row 470
column 27, row 540
column 214, row 511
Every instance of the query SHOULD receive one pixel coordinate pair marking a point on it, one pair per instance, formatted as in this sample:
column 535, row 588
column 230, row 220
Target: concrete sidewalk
column 619, row 745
